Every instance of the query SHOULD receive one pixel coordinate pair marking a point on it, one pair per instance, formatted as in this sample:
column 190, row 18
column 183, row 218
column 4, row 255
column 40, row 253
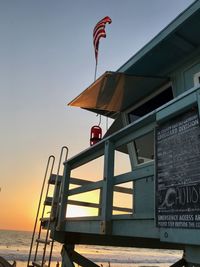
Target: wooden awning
column 115, row 92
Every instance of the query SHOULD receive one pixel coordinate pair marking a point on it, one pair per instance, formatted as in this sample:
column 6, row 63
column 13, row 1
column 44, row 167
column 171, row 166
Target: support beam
column 82, row 261
column 181, row 263
column 66, row 256
column 70, row 256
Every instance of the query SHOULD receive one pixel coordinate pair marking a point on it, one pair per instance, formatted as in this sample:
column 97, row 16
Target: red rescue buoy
column 95, row 135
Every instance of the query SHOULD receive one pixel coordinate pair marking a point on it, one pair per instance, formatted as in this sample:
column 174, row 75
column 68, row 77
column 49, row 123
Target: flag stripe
column 101, row 27
column 96, row 43
column 98, row 32
column 103, row 21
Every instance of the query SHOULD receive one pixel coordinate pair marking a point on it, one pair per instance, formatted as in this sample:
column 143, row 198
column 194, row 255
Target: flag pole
column 98, row 32
column 95, row 73
column 95, row 77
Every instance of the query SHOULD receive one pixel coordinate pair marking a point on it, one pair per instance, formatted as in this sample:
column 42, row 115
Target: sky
column 46, row 60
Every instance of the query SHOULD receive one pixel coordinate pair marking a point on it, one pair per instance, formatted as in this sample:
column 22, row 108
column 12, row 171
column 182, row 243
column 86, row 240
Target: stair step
column 38, row 264
column 52, row 179
column 43, row 241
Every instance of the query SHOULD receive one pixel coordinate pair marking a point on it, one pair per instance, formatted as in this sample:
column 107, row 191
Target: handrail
column 106, row 148
column 48, row 171
column 54, row 205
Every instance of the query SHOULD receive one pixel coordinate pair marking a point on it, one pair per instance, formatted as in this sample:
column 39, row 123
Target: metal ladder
column 46, row 224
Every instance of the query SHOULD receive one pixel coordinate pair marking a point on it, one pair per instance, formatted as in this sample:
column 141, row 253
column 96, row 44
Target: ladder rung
column 46, row 219
column 53, row 177
column 48, row 201
column 43, row 241
column 38, row 264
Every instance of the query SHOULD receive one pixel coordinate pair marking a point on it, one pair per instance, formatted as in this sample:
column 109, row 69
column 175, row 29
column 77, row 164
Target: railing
column 110, row 182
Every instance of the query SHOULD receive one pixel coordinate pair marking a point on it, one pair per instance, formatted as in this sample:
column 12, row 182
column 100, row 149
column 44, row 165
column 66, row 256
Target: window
column 151, row 104
column 143, row 147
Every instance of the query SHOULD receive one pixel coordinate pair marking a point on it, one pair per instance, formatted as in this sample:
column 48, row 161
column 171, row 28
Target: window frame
column 196, row 79
column 126, row 121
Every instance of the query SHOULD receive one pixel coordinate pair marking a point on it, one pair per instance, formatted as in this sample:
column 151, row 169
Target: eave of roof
column 168, row 31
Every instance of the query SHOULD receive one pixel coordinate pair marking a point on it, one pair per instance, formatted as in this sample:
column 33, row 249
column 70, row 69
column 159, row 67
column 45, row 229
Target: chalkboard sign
column 178, row 172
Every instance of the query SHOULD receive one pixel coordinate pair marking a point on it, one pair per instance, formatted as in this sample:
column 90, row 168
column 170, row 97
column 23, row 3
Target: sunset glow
column 76, row 211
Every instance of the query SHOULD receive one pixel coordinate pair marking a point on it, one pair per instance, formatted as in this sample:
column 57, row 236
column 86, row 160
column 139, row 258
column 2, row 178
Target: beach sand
column 15, row 246
column 105, row 264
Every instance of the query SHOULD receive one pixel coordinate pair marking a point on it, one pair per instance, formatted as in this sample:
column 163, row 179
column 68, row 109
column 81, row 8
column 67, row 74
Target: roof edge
column 169, row 29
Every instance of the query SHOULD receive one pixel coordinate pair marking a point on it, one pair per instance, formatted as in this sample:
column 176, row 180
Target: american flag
column 98, row 32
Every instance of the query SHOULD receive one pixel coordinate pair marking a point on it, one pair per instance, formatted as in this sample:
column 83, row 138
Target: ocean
column 14, row 245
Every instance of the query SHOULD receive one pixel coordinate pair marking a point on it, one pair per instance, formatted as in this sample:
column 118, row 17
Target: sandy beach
column 105, row 264
column 14, row 245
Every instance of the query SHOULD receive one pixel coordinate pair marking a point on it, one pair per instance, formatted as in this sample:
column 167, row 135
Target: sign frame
column 177, row 169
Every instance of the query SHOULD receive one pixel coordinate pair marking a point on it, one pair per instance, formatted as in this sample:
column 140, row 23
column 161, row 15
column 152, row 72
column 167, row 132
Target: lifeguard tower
column 154, row 99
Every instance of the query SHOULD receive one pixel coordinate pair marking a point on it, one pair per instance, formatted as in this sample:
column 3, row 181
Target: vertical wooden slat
column 64, row 195
column 107, row 193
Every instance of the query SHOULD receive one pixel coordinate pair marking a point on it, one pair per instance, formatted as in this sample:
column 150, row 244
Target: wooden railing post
column 64, row 196
column 107, row 191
